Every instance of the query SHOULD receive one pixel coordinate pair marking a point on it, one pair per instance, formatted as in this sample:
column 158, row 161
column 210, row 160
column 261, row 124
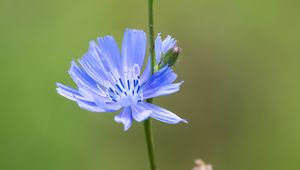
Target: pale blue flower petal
column 93, row 66
column 95, row 54
column 90, row 106
column 162, row 114
column 162, row 77
column 139, row 112
column 102, row 101
column 104, row 104
column 68, row 92
column 78, row 74
column 168, row 43
column 133, row 48
column 158, row 47
column 160, row 84
column 162, row 90
column 125, row 117
column 110, row 50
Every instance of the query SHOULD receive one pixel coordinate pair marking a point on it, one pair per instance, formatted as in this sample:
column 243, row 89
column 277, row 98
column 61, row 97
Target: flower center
column 127, row 90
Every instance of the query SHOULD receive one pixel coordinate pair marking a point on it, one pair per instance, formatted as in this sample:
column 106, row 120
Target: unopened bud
column 170, row 57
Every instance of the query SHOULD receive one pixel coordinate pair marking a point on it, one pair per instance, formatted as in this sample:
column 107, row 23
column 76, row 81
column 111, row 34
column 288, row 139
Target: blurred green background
column 241, row 66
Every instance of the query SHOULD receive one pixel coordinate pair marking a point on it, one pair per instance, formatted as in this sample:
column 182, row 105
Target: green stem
column 149, row 140
column 147, row 123
column 151, row 34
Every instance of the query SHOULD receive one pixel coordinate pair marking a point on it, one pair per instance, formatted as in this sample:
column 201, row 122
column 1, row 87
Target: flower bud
column 170, row 57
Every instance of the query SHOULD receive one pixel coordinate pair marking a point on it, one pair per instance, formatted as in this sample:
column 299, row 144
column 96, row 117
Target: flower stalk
column 147, row 123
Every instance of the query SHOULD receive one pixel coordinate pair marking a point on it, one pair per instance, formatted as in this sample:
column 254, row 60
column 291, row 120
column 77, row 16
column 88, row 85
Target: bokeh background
column 241, row 66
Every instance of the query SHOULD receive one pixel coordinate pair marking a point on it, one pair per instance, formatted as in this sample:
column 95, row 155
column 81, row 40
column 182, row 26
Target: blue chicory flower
column 108, row 80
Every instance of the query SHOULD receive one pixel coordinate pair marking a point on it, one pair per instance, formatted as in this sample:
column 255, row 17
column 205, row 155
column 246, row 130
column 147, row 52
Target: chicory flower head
column 108, row 80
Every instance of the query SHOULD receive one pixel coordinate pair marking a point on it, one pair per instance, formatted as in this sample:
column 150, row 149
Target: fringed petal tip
column 134, row 30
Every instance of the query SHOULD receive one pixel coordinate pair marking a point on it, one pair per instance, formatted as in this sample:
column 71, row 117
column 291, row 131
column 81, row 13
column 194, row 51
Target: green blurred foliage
column 241, row 93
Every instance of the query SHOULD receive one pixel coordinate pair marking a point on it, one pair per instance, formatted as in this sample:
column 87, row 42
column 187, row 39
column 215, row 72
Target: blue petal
column 168, row 43
column 93, row 66
column 90, row 106
column 74, row 95
column 110, row 50
column 106, row 105
column 162, row 114
column 101, row 57
column 102, row 101
column 68, row 92
column 133, row 48
column 85, row 91
column 162, row 77
column 139, row 112
column 160, row 84
column 125, row 117
column 98, row 61
column 87, row 99
column 78, row 74
column 158, row 47
column 162, row 90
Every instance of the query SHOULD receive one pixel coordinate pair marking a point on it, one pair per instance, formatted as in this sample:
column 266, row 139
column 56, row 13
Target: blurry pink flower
column 201, row 165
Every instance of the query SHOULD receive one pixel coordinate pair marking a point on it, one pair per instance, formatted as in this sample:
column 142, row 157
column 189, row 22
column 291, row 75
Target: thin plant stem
column 147, row 123
column 151, row 34
column 149, row 140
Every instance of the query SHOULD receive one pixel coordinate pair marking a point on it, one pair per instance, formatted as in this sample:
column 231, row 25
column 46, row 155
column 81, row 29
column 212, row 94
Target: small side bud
column 170, row 57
